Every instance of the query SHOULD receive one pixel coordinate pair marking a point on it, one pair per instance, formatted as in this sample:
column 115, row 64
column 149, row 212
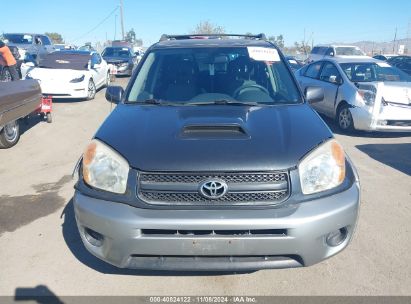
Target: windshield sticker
column 263, row 54
column 383, row 64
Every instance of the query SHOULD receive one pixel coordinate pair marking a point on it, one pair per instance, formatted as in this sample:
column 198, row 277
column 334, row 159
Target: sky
column 80, row 21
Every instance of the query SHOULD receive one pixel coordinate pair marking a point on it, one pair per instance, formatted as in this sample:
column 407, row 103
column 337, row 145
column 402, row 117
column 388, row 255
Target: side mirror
column 335, row 79
column 114, row 94
column 314, row 94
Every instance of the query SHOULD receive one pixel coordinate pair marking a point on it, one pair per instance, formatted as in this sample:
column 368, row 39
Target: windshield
column 348, row 51
column 372, row 71
column 116, row 52
column 239, row 74
column 19, row 38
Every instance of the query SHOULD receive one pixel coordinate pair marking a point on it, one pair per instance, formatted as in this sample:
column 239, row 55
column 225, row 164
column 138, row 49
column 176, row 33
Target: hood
column 63, row 75
column 115, row 59
column 213, row 138
column 22, row 46
column 397, row 92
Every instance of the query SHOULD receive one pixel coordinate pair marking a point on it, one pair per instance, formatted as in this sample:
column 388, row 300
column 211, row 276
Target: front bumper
column 65, row 90
column 388, row 118
column 127, row 245
column 122, row 70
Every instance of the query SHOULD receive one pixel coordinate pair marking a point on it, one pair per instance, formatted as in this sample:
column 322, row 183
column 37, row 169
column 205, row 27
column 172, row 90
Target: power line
column 100, row 23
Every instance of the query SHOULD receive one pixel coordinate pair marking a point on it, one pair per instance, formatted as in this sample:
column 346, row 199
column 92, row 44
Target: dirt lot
column 41, row 249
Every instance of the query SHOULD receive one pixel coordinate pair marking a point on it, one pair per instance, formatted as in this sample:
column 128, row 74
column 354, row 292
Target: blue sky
column 323, row 21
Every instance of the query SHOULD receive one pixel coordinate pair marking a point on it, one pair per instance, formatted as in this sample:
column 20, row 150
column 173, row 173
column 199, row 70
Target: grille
column 399, row 123
column 232, row 198
column 215, row 233
column 244, row 189
column 228, row 178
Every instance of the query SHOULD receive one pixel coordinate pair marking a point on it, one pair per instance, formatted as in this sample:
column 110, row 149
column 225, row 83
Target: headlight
column 104, row 168
column 79, row 79
column 367, row 93
column 323, row 168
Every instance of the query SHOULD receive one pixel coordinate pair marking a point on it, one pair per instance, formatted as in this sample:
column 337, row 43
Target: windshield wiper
column 153, row 101
column 223, row 102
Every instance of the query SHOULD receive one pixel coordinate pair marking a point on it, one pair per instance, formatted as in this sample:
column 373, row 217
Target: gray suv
column 214, row 160
column 34, row 46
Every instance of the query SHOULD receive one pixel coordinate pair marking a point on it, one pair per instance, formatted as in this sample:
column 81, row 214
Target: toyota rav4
column 214, row 160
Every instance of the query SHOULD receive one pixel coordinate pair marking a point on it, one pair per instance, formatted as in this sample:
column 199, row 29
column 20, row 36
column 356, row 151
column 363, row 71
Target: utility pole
column 115, row 27
column 395, row 38
column 122, row 19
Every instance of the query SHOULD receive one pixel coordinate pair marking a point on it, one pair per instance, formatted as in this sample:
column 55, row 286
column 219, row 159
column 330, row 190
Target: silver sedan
column 360, row 93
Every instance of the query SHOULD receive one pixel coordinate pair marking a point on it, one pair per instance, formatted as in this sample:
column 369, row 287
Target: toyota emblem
column 213, row 188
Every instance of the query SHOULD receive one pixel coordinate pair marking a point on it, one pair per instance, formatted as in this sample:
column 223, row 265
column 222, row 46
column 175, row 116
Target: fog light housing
column 93, row 237
column 337, row 237
column 382, row 122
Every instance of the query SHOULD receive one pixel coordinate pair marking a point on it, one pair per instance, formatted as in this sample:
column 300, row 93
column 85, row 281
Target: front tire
column 10, row 135
column 5, row 75
column 108, row 80
column 91, row 90
column 344, row 119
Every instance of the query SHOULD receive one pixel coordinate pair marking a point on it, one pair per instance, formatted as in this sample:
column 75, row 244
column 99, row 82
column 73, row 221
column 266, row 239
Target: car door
column 41, row 49
column 309, row 78
column 49, row 47
column 331, row 80
column 97, row 70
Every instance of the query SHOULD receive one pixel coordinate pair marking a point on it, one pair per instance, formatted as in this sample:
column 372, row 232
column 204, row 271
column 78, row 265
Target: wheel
column 108, row 79
column 10, row 135
column 49, row 118
column 91, row 90
column 5, row 75
column 344, row 119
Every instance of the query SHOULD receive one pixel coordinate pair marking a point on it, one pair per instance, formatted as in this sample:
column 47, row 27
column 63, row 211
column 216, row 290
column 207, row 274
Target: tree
column 132, row 38
column 206, row 27
column 56, row 38
column 302, row 47
column 279, row 40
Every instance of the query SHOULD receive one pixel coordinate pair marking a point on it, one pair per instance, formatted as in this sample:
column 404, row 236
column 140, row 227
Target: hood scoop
column 214, row 131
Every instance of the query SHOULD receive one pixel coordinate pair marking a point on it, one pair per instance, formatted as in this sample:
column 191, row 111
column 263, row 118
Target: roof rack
column 165, row 37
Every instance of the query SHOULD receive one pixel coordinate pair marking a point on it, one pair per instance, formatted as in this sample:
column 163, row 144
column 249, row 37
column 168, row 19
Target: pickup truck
column 17, row 100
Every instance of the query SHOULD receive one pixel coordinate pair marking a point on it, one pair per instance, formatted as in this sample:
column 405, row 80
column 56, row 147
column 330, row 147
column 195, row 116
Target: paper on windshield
column 383, row 64
column 263, row 54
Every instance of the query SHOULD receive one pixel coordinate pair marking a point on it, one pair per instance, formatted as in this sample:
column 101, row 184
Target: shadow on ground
column 40, row 294
column 397, row 156
column 74, row 243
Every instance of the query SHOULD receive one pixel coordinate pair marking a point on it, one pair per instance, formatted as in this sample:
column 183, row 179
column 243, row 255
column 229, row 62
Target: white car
column 71, row 74
column 328, row 50
column 360, row 94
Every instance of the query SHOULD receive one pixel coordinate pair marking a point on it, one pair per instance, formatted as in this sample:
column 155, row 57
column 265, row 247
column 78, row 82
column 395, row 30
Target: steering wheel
column 248, row 87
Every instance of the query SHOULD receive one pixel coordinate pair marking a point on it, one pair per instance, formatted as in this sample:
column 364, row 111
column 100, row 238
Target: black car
column 401, row 62
column 122, row 58
column 214, row 160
